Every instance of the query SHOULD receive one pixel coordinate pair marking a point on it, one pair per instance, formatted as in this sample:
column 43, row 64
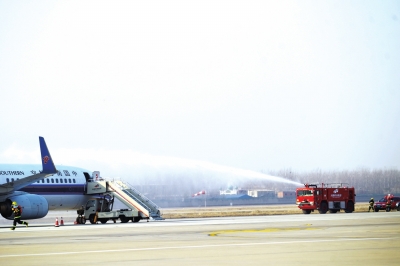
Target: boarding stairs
column 129, row 196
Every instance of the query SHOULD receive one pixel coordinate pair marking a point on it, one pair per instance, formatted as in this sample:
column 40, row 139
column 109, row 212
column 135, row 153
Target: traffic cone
column 56, row 224
column 62, row 221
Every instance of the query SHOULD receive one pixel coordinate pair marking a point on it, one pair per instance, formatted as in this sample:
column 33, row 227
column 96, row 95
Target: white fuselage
column 64, row 190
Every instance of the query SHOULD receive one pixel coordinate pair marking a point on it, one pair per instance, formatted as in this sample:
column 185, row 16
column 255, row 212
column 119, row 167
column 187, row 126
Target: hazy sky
column 255, row 85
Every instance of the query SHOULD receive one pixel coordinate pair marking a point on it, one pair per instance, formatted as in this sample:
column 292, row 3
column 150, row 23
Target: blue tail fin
column 47, row 162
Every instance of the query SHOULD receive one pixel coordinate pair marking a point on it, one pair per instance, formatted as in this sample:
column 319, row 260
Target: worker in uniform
column 371, row 204
column 17, row 215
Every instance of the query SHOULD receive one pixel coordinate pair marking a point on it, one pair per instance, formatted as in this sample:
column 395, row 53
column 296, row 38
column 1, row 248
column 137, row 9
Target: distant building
column 286, row 194
column 233, row 191
column 257, row 193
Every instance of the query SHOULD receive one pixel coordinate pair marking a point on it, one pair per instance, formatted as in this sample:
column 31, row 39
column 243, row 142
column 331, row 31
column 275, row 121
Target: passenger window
column 8, row 180
column 12, row 179
column 69, row 180
column 61, row 180
column 73, row 180
column 42, row 180
column 52, row 180
column 47, row 180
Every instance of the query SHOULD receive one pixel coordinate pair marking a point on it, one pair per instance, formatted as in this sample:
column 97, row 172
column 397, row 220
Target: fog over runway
column 344, row 239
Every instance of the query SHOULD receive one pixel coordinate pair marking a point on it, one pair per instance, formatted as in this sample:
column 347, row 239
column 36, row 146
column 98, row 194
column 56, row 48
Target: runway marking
column 193, row 247
column 266, row 230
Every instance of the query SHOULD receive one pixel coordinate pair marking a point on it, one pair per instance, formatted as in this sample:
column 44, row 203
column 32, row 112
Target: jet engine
column 33, row 207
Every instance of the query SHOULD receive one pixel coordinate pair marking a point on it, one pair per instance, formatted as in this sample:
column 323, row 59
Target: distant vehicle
column 325, row 197
column 381, row 204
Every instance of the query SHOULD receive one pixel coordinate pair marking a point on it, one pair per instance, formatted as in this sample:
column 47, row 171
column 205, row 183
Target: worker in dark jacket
column 17, row 215
column 371, row 204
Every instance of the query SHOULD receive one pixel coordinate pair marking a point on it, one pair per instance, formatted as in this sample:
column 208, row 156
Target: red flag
column 199, row 193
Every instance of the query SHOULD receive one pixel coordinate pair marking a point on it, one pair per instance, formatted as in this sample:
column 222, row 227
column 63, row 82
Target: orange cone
column 62, row 221
column 56, row 224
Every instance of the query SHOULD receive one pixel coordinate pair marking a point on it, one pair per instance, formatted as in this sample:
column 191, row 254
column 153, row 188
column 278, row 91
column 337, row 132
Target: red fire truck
column 325, row 197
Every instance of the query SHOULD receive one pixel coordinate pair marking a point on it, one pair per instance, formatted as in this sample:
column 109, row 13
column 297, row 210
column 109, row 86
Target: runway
column 342, row 239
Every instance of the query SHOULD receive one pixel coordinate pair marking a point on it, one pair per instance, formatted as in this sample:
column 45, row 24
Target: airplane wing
column 48, row 170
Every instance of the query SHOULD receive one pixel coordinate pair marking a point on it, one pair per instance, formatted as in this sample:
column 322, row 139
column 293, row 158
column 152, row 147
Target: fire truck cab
column 325, row 197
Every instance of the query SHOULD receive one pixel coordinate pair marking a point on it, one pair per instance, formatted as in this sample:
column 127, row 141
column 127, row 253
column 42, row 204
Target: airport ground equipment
column 100, row 210
column 325, row 197
column 104, row 192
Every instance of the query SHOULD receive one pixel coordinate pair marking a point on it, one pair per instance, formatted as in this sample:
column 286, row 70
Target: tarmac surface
column 329, row 239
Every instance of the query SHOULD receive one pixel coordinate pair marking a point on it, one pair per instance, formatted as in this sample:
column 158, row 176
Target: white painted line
column 194, row 247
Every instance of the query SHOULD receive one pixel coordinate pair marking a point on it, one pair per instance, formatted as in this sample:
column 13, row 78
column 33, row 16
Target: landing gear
column 80, row 219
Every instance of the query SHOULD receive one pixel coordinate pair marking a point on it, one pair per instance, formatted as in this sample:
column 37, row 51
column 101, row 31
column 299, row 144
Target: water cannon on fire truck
column 325, row 197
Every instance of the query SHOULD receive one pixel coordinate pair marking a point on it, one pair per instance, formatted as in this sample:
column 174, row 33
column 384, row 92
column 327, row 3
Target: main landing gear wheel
column 80, row 220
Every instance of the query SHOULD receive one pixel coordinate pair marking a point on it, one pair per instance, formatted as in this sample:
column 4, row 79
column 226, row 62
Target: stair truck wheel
column 306, row 211
column 124, row 219
column 135, row 219
column 91, row 219
column 349, row 207
column 323, row 208
column 103, row 221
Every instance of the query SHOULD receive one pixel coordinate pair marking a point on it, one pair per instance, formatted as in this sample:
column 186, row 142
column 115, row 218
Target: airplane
column 40, row 188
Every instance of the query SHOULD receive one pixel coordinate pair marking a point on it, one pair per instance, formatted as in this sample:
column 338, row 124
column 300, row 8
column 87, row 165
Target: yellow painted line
column 266, row 230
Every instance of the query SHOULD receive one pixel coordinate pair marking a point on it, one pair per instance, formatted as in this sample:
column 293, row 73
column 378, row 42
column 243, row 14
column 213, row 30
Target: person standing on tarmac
column 371, row 204
column 17, row 215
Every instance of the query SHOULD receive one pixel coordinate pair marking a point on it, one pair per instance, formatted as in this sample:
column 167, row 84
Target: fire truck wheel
column 323, row 208
column 306, row 211
column 103, row 221
column 376, row 209
column 349, row 207
column 398, row 208
column 135, row 219
column 83, row 220
column 333, row 211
